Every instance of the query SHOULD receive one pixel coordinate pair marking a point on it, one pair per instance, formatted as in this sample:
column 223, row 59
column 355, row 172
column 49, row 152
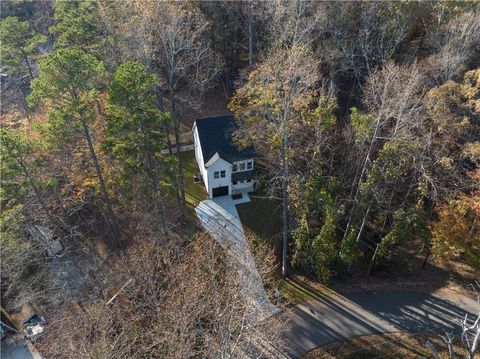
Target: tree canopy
column 19, row 43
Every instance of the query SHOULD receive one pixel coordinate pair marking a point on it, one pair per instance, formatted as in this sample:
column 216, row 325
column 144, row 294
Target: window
column 249, row 165
column 234, row 182
column 242, row 166
column 222, row 174
column 234, row 167
column 216, row 174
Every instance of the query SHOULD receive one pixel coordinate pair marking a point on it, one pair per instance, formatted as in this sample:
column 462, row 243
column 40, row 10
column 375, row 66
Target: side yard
column 194, row 192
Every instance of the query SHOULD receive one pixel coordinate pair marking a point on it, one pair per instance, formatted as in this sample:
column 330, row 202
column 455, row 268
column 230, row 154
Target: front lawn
column 263, row 216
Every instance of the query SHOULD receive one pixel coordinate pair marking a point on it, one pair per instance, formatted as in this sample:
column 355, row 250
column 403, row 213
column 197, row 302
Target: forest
column 365, row 117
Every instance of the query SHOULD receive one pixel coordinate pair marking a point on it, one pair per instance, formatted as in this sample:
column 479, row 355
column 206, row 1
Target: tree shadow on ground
column 329, row 317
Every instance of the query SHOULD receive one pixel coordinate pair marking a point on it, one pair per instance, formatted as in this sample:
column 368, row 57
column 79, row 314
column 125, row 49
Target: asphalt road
column 336, row 317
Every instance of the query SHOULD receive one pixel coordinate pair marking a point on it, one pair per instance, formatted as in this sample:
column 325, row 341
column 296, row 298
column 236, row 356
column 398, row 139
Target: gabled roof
column 215, row 135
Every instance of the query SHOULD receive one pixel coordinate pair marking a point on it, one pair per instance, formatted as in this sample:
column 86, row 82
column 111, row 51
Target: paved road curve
column 335, row 317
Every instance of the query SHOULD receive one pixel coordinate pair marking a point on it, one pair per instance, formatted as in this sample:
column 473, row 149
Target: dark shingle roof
column 215, row 134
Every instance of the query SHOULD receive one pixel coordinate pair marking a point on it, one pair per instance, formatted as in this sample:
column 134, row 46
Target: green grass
column 194, row 192
column 263, row 217
column 297, row 291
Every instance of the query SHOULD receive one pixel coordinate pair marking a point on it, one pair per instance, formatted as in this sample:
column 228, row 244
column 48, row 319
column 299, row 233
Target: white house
column 225, row 169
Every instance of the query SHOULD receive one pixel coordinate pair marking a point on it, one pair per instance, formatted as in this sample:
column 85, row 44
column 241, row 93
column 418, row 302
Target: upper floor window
column 242, row 166
column 234, row 167
column 219, row 174
column 249, row 165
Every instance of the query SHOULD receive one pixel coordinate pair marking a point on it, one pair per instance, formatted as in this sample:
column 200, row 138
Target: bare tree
column 356, row 38
column 284, row 79
column 163, row 301
column 393, row 97
column 293, row 22
column 470, row 336
column 455, row 45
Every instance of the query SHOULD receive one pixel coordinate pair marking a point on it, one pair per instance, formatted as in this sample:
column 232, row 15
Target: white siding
column 219, row 165
column 242, row 187
column 239, row 163
column 199, row 156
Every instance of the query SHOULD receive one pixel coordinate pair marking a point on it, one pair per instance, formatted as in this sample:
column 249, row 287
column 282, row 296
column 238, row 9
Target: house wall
column 199, row 156
column 207, row 174
column 238, row 163
column 242, row 187
column 213, row 182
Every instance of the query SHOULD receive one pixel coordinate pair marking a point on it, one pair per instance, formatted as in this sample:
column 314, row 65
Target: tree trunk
column 473, row 227
column 285, row 216
column 38, row 194
column 372, row 261
column 34, row 186
column 153, row 177
column 430, row 346
column 285, row 227
column 360, row 180
column 103, row 188
column 24, row 105
column 425, row 260
column 25, row 57
column 161, row 108
column 250, row 33
column 181, row 185
column 360, row 232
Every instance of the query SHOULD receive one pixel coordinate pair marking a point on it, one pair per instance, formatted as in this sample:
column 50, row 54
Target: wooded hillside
column 365, row 117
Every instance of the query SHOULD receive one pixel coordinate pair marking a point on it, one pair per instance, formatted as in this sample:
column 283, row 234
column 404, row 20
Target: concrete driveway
column 220, row 218
column 335, row 317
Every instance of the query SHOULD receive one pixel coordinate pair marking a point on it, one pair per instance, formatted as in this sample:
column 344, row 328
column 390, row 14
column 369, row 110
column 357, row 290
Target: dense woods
column 365, row 117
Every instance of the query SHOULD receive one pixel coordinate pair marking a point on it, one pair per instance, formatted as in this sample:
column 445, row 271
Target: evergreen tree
column 19, row 44
column 68, row 86
column 134, row 125
column 76, row 25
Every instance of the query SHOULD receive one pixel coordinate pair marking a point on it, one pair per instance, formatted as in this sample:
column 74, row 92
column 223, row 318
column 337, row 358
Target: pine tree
column 68, row 86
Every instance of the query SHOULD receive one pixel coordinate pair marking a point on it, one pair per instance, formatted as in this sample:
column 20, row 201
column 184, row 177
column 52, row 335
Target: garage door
column 220, row 191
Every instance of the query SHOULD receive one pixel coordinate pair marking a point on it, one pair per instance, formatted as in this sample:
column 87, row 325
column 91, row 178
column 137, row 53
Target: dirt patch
column 392, row 345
